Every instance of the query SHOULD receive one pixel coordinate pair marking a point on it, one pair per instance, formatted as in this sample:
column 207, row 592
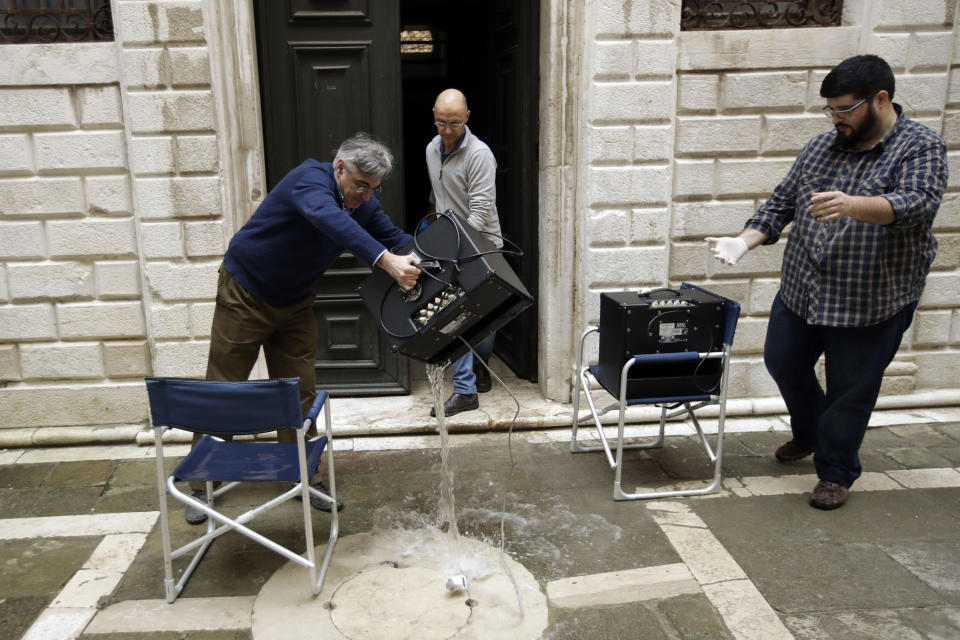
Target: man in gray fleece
column 463, row 176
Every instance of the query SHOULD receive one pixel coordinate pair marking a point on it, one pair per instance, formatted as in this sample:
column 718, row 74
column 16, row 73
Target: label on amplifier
column 673, row 332
column 455, row 324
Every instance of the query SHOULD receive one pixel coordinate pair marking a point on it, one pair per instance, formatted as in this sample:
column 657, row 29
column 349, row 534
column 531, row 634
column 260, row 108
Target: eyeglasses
column 832, row 113
column 363, row 187
column 453, row 125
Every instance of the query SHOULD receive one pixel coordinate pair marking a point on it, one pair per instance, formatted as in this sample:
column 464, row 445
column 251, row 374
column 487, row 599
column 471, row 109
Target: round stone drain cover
column 385, row 603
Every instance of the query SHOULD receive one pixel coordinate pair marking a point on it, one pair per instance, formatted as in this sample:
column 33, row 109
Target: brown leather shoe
column 828, row 495
column 458, row 402
column 790, row 451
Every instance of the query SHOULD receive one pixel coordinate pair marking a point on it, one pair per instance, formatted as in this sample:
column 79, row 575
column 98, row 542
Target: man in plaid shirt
column 862, row 199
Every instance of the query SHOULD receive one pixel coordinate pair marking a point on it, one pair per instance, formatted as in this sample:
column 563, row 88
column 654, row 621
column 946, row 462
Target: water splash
column 446, row 507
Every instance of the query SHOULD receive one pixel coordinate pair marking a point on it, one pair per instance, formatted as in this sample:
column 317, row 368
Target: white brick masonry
column 159, row 112
column 763, row 90
column 931, row 328
column 629, row 185
column 61, row 361
column 631, row 101
column 170, row 321
column 152, row 155
column 182, row 359
column 766, row 49
column 99, row 106
column 189, row 67
column 36, row 109
column 100, row 320
column 750, row 177
column 41, row 196
column 892, row 47
column 90, row 237
column 718, row 135
column 145, row 68
column 948, row 251
column 171, row 282
column 713, row 218
column 654, row 58
column 649, row 226
column 930, row 51
column 27, row 322
column 612, row 145
column 108, row 195
column 631, row 266
column 29, row 407
column 197, row 153
column 204, row 239
column 894, row 13
column 43, row 65
column 762, row 293
column 56, row 152
column 609, row 228
column 174, row 197
column 620, row 17
column 162, row 20
column 942, row 290
column 693, row 177
column 126, row 359
column 613, row 60
column 697, row 92
column 653, row 144
column 937, row 369
column 9, row 362
column 15, row 155
column 117, row 279
column 4, row 291
column 34, row 282
column 788, row 133
column 921, row 93
column 162, row 239
column 21, row 240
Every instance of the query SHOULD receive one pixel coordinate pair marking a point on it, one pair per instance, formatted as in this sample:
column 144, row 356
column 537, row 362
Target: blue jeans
column 464, row 379
column 834, row 422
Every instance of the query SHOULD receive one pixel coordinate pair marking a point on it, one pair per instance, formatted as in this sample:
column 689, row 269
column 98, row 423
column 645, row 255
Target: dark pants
column 242, row 324
column 832, row 422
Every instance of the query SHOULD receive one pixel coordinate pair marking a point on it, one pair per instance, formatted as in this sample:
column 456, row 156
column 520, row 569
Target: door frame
column 231, row 38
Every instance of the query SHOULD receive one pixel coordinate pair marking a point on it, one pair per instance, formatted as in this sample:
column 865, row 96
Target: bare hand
column 831, row 205
column 400, row 268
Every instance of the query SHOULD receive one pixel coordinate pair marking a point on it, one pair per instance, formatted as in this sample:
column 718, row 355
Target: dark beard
column 858, row 134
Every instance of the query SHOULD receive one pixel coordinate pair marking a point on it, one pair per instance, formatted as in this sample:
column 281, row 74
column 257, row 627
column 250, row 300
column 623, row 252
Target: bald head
column 451, row 99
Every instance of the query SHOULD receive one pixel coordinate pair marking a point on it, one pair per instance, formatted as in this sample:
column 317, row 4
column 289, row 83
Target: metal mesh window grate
column 32, row 21
column 417, row 41
column 706, row 15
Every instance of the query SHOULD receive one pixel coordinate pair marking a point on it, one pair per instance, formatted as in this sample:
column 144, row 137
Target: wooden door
column 330, row 68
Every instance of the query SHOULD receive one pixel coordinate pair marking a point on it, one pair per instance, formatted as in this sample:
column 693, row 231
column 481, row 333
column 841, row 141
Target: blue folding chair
column 671, row 404
column 256, row 406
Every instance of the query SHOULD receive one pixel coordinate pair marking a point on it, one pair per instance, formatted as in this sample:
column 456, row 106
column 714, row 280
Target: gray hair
column 367, row 154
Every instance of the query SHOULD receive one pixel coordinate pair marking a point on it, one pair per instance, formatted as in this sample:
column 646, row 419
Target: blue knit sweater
column 299, row 230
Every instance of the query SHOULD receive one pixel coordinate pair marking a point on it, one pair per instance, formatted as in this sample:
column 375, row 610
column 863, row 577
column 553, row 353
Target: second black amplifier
column 659, row 321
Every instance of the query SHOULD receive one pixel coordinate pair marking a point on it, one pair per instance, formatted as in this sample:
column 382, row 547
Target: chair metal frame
column 671, row 406
column 218, row 523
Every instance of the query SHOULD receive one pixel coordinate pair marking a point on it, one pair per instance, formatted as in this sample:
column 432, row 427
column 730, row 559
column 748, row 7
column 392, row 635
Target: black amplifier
column 661, row 321
column 467, row 290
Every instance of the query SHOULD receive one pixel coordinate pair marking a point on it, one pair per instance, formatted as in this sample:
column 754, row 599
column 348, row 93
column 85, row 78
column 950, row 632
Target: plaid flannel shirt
column 848, row 273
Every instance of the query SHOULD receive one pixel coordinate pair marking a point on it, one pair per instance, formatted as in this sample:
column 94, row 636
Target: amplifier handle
column 677, row 356
column 646, row 294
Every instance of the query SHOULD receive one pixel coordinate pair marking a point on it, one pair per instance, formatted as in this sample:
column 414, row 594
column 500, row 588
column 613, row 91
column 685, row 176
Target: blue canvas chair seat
column 671, row 405
column 252, row 407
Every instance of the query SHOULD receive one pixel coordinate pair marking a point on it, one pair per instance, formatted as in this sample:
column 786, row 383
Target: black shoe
column 829, row 495
column 319, row 503
column 192, row 514
column 483, row 378
column 791, row 451
column 458, row 402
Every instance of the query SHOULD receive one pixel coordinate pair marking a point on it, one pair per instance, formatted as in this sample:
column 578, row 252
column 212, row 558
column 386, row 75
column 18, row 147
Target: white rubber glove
column 727, row 250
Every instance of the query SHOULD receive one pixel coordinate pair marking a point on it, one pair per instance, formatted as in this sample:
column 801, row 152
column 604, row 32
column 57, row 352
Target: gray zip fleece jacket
column 466, row 183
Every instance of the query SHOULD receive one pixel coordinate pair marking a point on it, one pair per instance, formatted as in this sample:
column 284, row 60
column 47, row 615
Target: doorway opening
column 489, row 50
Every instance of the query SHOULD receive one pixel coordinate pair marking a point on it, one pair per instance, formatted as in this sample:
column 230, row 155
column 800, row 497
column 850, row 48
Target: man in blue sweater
column 264, row 296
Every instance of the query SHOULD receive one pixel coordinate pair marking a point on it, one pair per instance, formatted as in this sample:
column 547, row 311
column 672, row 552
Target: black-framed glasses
column 453, row 125
column 832, row 113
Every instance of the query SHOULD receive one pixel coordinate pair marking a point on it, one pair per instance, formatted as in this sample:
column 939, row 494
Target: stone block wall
column 689, row 132
column 111, row 228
